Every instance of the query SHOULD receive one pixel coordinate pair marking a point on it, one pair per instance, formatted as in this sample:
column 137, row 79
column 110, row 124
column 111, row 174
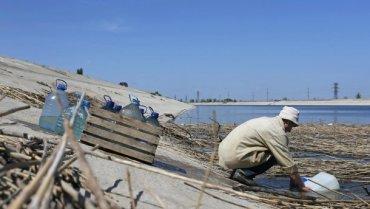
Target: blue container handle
column 134, row 99
column 145, row 108
column 105, row 98
column 109, row 104
column 61, row 85
column 151, row 109
column 152, row 113
column 86, row 103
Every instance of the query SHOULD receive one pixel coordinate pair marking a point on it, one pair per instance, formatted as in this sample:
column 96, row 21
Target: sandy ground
column 35, row 78
column 111, row 175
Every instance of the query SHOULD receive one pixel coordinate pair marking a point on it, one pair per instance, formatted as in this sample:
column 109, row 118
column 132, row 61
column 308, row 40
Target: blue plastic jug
column 110, row 105
column 80, row 119
column 153, row 118
column 55, row 103
column 133, row 109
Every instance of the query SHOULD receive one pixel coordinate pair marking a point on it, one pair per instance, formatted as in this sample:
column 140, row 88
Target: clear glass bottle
column 55, row 103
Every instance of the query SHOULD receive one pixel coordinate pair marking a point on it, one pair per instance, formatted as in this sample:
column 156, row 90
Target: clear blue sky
column 218, row 47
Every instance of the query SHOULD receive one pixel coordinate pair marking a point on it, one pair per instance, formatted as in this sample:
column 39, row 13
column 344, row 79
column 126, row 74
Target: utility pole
column 336, row 90
column 267, row 94
column 308, row 93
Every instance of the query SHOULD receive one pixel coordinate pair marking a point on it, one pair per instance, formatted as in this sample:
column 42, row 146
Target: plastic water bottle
column 324, row 179
column 153, row 118
column 80, row 119
column 110, row 105
column 133, row 109
column 55, row 103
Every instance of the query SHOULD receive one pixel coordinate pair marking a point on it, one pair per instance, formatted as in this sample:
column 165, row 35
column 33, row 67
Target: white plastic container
column 324, row 179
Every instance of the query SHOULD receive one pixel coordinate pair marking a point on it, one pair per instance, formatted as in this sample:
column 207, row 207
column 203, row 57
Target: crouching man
column 256, row 145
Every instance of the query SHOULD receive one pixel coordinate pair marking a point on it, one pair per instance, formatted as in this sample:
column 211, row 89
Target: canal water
column 237, row 114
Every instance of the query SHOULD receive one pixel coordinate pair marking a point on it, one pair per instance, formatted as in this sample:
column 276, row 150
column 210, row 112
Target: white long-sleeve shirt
column 253, row 142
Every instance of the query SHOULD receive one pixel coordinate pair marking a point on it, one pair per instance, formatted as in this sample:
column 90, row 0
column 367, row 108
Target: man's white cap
column 290, row 113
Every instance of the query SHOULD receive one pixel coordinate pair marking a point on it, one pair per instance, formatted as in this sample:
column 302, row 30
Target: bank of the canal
column 341, row 150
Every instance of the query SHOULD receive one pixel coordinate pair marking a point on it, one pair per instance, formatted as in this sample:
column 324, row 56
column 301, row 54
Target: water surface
column 308, row 114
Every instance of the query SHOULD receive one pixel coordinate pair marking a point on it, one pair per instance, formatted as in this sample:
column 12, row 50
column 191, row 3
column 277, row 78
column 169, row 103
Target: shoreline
column 338, row 102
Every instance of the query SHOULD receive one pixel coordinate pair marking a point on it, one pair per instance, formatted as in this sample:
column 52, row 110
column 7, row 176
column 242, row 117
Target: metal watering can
column 110, row 105
column 133, row 109
column 153, row 118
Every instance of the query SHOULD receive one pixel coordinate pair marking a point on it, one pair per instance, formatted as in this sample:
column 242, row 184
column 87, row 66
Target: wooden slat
column 134, row 133
column 120, row 149
column 126, row 120
column 121, row 139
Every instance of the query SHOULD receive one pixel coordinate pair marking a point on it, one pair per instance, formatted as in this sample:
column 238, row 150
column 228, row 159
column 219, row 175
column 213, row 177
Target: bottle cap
column 61, row 87
column 154, row 115
column 136, row 102
column 61, row 84
column 86, row 103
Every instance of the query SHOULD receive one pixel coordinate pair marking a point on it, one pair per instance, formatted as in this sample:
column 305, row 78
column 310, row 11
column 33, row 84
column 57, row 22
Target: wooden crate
column 122, row 135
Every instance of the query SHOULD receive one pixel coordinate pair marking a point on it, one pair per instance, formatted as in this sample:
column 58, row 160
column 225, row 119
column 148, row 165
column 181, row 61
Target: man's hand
column 295, row 181
column 305, row 189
